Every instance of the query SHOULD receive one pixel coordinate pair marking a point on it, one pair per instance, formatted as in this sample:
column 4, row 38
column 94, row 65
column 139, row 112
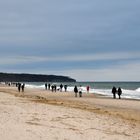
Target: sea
column 130, row 90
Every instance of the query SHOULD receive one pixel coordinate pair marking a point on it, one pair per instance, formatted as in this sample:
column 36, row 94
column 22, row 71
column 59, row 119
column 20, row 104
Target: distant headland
column 24, row 77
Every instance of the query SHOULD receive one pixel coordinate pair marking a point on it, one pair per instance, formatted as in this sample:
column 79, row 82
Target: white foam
column 35, row 86
column 130, row 94
column 138, row 89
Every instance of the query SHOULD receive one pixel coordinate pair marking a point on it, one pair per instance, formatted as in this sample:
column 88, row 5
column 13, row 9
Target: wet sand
column 40, row 115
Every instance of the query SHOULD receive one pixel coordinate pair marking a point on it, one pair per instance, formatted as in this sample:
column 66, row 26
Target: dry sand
column 43, row 115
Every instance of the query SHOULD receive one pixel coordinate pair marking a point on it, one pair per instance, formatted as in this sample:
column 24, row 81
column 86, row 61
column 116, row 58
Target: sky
column 88, row 40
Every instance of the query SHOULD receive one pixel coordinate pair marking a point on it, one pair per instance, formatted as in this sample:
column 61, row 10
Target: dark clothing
column 61, row 86
column 19, row 86
column 119, row 92
column 49, row 85
column 46, row 86
column 22, row 87
column 80, row 93
column 55, row 87
column 76, row 91
column 114, row 92
column 65, row 86
column 52, row 88
column 87, row 89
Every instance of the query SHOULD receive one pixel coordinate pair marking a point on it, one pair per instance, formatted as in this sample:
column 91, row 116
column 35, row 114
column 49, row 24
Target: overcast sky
column 89, row 40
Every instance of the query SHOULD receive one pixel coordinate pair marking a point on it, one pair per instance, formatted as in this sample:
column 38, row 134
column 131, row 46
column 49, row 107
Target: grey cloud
column 71, row 58
column 77, row 30
column 128, row 72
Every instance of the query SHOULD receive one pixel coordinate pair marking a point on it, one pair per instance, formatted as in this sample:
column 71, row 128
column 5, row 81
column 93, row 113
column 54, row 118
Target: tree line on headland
column 16, row 77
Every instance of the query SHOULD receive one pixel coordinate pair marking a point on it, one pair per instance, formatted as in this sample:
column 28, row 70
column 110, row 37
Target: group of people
column 20, row 86
column 115, row 91
column 78, row 90
column 53, row 87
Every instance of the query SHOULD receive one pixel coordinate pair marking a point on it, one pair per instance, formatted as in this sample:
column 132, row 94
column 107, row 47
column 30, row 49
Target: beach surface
column 42, row 115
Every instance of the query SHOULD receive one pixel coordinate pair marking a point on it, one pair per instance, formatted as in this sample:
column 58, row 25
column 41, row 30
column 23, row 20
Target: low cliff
column 14, row 77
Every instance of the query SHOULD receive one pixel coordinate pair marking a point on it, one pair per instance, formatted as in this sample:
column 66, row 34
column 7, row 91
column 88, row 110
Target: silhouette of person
column 55, row 87
column 80, row 91
column 22, row 87
column 119, row 92
column 65, row 86
column 75, row 91
column 114, row 92
column 49, row 86
column 19, row 86
column 46, row 86
column 52, row 88
column 61, row 86
column 87, row 89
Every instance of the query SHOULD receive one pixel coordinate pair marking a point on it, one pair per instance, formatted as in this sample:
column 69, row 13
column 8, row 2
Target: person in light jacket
column 80, row 91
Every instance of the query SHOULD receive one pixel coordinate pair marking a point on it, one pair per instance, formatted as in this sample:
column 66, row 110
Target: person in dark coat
column 22, row 87
column 119, row 92
column 19, row 86
column 114, row 90
column 65, row 86
column 55, row 87
column 46, row 86
column 61, row 86
column 52, row 86
column 49, row 86
column 75, row 91
column 87, row 89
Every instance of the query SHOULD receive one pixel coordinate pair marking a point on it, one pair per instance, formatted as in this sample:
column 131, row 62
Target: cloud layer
column 92, row 39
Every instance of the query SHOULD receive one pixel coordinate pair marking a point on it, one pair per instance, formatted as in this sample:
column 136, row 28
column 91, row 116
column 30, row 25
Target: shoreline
column 123, row 108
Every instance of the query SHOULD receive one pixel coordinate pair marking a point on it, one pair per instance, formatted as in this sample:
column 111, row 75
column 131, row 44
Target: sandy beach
column 43, row 115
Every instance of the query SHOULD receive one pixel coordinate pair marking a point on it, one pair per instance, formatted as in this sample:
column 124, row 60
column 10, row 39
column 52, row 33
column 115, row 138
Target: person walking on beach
column 55, row 87
column 80, row 91
column 49, row 86
column 87, row 89
column 65, row 86
column 46, row 86
column 22, row 87
column 114, row 92
column 52, row 86
column 61, row 86
column 75, row 91
column 19, row 86
column 119, row 92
